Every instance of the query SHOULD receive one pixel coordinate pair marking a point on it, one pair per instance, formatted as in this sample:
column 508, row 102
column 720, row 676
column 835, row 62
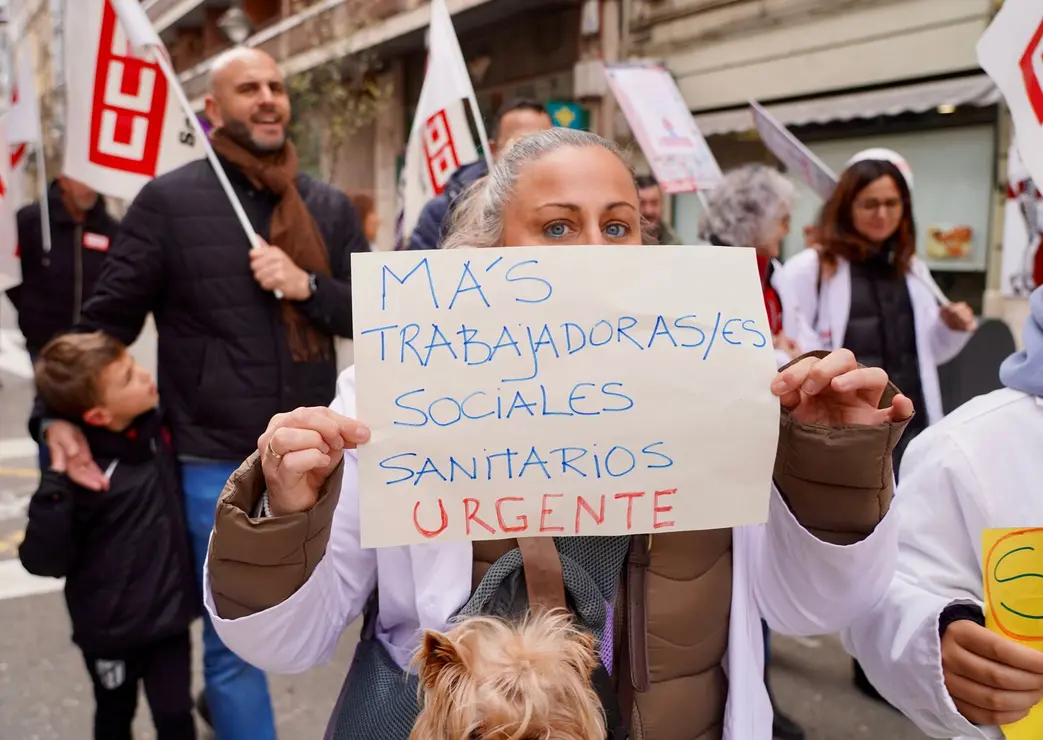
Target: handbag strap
column 544, row 580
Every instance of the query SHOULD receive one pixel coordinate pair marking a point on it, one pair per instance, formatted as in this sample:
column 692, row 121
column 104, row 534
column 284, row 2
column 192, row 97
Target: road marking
column 11, row 542
column 32, row 473
column 13, row 505
column 17, row 449
column 15, row 582
column 13, row 357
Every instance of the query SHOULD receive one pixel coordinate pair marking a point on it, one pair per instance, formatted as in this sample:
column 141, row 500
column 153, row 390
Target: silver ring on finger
column 274, row 455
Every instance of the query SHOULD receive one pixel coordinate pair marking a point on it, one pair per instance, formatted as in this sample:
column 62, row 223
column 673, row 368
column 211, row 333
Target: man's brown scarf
column 293, row 230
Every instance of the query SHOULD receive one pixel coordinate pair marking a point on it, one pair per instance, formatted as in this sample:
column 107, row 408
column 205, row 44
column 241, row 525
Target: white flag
column 440, row 140
column 10, row 263
column 18, row 165
column 125, row 123
column 799, row 160
column 136, row 24
column 1011, row 52
column 22, row 121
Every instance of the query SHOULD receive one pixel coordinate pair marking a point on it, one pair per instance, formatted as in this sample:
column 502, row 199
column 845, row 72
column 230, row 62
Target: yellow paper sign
column 1013, row 578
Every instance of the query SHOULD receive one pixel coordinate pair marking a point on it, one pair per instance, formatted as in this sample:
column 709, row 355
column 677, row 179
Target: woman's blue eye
column 617, row 231
column 556, row 230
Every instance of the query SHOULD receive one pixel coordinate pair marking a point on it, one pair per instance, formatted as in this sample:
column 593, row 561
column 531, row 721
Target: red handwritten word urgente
column 506, row 515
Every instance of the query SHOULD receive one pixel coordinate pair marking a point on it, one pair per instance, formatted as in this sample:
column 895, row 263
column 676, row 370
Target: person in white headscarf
column 863, row 288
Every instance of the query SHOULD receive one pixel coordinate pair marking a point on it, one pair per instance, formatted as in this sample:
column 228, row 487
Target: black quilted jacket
column 224, row 364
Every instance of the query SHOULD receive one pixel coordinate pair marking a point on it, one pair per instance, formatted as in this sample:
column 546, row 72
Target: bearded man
column 243, row 333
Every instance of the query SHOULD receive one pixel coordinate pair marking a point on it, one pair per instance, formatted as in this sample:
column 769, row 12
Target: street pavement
column 45, row 693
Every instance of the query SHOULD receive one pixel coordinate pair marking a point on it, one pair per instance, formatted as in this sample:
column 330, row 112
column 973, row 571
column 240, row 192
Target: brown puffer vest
column 679, row 686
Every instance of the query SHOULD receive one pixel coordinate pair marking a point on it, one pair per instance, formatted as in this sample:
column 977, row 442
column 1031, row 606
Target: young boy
column 124, row 551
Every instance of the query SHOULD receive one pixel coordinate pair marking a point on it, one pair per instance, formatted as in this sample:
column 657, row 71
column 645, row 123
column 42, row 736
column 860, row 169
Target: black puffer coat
column 225, row 366
column 124, row 552
column 56, row 285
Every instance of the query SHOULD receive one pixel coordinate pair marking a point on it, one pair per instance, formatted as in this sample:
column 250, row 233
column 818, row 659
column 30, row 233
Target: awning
column 976, row 90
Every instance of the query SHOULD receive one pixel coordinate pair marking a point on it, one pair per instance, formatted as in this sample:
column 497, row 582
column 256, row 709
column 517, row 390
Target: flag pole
column 472, row 99
column 41, row 158
column 175, row 84
column 45, row 206
column 480, row 125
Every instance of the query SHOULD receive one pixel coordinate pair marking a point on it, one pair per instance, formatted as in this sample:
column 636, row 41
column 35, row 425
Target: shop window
column 952, row 200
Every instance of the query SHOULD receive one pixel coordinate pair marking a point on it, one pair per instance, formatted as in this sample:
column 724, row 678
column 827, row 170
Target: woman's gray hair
column 748, row 205
column 478, row 218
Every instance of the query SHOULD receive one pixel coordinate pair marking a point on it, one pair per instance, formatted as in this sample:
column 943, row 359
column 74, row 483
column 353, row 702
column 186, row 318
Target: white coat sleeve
column 945, row 342
column 941, row 514
column 303, row 631
column 798, row 288
column 805, row 586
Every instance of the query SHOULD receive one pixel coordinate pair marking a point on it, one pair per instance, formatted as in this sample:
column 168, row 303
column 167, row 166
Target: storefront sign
column 664, row 127
column 568, row 114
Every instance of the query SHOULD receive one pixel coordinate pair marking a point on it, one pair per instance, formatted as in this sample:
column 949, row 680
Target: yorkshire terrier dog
column 490, row 679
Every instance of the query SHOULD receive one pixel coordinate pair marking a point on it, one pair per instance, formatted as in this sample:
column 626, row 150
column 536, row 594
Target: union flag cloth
column 126, row 123
column 440, row 140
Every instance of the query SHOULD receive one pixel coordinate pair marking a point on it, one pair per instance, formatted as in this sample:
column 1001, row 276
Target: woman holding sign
column 677, row 615
column 969, row 491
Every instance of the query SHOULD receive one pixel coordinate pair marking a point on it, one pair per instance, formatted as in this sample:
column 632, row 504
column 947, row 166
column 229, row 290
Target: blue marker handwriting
column 424, row 344
column 522, row 276
column 573, row 462
column 418, row 407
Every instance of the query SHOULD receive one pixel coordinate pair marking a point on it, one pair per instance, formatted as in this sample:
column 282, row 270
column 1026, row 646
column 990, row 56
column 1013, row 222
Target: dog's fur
column 489, row 679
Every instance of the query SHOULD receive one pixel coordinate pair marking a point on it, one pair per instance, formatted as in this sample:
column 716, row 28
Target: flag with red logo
column 21, row 128
column 126, row 122
column 21, row 124
column 1011, row 52
column 22, row 120
column 10, row 262
column 440, row 140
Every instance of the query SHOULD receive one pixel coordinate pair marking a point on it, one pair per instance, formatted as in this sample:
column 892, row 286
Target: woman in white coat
column 925, row 644
column 286, row 573
column 863, row 288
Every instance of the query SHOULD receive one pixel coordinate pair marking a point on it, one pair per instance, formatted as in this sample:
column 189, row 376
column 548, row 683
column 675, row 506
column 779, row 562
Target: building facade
column 845, row 75
column 544, row 49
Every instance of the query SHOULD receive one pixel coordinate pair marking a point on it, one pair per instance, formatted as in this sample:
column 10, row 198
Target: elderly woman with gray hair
column 752, row 208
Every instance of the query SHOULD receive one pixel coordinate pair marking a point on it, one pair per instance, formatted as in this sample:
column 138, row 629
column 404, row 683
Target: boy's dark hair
column 68, row 369
column 646, row 181
column 511, row 106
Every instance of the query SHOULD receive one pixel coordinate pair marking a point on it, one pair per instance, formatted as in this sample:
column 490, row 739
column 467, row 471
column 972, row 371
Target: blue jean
column 237, row 692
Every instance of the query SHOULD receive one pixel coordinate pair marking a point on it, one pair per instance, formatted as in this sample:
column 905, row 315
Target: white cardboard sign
column 798, row 159
column 669, row 137
column 561, row 391
column 1011, row 52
